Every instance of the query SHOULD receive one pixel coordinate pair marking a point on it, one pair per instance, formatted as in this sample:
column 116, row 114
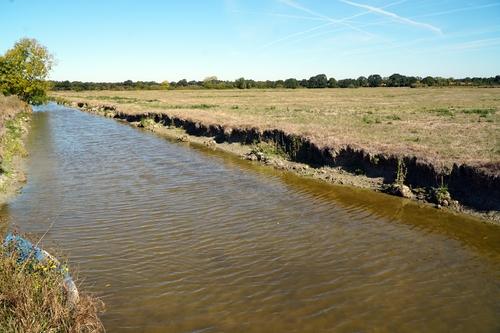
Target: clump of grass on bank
column 32, row 299
column 269, row 150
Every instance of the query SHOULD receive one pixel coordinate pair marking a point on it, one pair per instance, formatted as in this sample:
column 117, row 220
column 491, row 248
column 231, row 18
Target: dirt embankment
column 14, row 123
column 467, row 188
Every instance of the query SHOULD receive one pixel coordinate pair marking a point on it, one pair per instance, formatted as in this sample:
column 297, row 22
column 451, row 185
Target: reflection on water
column 177, row 239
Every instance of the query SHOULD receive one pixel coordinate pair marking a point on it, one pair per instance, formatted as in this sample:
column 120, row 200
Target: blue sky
column 261, row 39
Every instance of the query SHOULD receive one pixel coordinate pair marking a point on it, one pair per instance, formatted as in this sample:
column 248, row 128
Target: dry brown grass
column 9, row 107
column 443, row 125
column 33, row 300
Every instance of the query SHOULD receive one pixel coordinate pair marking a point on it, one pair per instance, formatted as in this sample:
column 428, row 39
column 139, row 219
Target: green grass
column 393, row 117
column 481, row 112
column 11, row 143
column 443, row 112
column 449, row 112
column 117, row 99
column 202, row 106
column 147, row 122
column 270, row 150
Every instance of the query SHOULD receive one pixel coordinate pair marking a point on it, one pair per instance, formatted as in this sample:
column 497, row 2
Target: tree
column 24, row 69
column 362, row 81
column 332, row 83
column 348, row 83
column 398, row 80
column 165, row 85
column 240, row 83
column 210, row 82
column 182, row 83
column 318, row 81
column 291, row 83
column 374, row 80
column 429, row 81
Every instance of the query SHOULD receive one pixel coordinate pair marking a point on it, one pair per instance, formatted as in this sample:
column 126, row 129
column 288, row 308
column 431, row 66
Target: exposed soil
column 469, row 189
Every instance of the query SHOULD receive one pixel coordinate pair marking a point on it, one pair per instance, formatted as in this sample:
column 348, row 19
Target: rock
column 183, row 138
column 210, row 143
column 251, row 157
column 441, row 196
column 401, row 190
column 260, row 156
column 21, row 177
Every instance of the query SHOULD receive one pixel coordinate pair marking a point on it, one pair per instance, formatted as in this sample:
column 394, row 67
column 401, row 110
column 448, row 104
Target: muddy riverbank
column 463, row 188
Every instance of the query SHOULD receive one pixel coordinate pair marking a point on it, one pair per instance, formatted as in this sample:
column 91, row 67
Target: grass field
column 442, row 125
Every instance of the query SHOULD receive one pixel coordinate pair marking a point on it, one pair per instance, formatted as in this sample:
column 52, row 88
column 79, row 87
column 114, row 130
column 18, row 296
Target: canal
column 179, row 238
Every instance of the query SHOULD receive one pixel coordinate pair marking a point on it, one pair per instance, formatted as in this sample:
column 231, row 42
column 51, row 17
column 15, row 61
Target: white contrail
column 394, row 16
column 295, row 5
column 321, row 17
column 456, row 10
column 296, row 34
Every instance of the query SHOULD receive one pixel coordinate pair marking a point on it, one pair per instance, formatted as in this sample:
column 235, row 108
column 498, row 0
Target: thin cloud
column 296, row 5
column 394, row 16
column 475, row 44
column 296, row 34
column 301, row 38
column 313, row 18
column 456, row 10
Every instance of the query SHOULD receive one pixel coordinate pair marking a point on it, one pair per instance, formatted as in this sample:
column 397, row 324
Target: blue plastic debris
column 25, row 251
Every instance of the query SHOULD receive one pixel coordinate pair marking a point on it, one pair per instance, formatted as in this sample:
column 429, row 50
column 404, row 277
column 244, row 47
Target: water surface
column 183, row 239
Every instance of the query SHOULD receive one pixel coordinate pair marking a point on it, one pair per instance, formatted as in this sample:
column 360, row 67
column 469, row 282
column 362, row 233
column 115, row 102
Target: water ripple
column 178, row 241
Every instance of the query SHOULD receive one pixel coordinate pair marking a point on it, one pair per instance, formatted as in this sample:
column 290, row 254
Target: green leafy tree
column 165, row 85
column 210, row 82
column 375, row 80
column 397, row 80
column 318, row 81
column 291, row 83
column 24, row 70
column 429, row 81
column 362, row 81
column 240, row 83
column 332, row 83
column 182, row 83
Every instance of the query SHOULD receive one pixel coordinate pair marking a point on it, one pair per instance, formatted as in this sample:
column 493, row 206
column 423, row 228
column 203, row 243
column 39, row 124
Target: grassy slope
column 14, row 116
column 32, row 301
column 442, row 125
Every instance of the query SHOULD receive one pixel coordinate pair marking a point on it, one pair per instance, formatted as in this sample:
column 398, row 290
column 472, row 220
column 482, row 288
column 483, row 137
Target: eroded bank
column 464, row 188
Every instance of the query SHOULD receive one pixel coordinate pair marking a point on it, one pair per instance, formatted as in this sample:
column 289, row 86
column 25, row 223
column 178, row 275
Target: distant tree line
column 314, row 82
